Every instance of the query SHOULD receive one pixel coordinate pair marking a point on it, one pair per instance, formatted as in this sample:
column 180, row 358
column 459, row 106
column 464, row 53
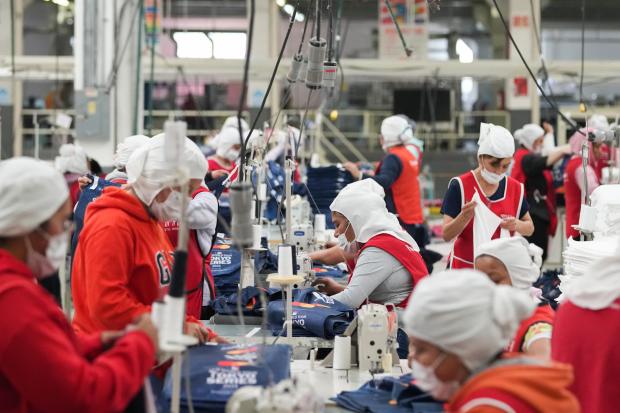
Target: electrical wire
column 330, row 38
column 540, row 52
column 152, row 69
column 136, row 120
column 244, row 87
column 118, row 57
column 318, row 19
column 13, row 80
column 532, row 75
column 303, row 34
column 583, row 50
column 303, row 122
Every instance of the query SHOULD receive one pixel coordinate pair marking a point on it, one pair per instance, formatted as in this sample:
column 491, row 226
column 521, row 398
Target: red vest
column 518, row 174
column 406, row 188
column 198, row 267
column 214, row 165
column 399, row 249
column 543, row 314
column 572, row 195
column 510, row 204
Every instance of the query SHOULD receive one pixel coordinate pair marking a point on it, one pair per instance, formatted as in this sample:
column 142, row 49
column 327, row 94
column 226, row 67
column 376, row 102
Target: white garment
column 31, row 191
column 528, row 134
column 365, row 209
column 522, row 259
column 485, row 223
column 495, row 141
column 72, row 158
column 125, row 148
column 599, row 287
column 463, row 312
column 395, row 130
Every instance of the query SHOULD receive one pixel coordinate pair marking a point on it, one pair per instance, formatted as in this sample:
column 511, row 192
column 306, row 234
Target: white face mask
column 491, row 177
column 43, row 266
column 170, row 209
column 426, row 379
column 343, row 242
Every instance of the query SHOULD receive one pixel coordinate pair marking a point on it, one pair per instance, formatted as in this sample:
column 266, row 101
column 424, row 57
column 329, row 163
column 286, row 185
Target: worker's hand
column 467, row 212
column 197, row 330
column 326, row 286
column 547, row 127
column 108, row 338
column 218, row 174
column 84, row 181
column 145, row 324
column 219, row 340
column 353, row 169
column 509, row 223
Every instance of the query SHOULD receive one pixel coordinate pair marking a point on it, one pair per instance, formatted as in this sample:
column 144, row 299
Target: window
column 210, row 45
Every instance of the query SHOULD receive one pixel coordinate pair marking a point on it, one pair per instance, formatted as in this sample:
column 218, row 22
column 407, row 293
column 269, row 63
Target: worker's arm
column 523, row 226
column 43, row 365
column 452, row 227
column 557, row 154
column 330, row 256
column 202, row 216
column 537, row 340
column 390, row 170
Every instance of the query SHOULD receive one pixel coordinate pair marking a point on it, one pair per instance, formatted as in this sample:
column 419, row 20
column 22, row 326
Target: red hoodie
column 46, row 367
column 122, row 264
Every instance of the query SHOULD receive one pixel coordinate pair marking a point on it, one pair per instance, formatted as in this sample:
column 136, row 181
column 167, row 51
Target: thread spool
column 330, row 71
column 262, row 192
column 342, row 353
column 319, row 223
column 303, row 71
column 296, row 64
column 256, row 236
column 316, row 56
column 285, row 259
column 587, row 218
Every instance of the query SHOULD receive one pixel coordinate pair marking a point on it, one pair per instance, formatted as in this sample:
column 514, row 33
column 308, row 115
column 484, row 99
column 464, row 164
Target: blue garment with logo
column 87, row 195
column 328, row 271
column 389, row 395
column 225, row 266
column 215, row 373
column 314, row 315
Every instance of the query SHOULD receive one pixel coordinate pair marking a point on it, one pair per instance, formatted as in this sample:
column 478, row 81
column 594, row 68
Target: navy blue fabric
column 330, row 271
column 275, row 178
column 451, row 205
column 87, row 195
column 389, row 171
column 216, row 372
column 324, row 184
column 389, row 395
column 225, row 266
column 549, row 283
column 250, row 301
column 314, row 315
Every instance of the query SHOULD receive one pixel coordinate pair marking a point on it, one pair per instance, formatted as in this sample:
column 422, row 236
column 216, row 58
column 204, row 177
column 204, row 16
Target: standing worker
column 123, row 151
column 45, row 366
column 503, row 195
column 72, row 162
column 533, row 170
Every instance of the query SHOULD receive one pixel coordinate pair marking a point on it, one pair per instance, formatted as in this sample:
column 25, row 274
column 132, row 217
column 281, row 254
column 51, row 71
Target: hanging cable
column 244, row 87
column 154, row 11
column 543, row 63
column 318, row 19
column 582, row 105
column 301, row 125
column 532, row 75
column 118, row 57
column 408, row 50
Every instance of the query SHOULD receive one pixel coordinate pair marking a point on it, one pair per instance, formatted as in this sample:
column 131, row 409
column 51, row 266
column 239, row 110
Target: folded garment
column 389, row 395
column 225, row 266
column 250, row 302
column 328, row 271
column 216, row 372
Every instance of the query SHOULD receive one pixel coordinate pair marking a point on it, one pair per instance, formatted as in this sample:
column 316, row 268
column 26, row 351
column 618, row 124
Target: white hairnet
column 495, row 141
column 72, row 159
column 125, row 148
column 521, row 259
column 528, row 134
column 256, row 139
column 227, row 138
column 231, row 122
column 149, row 172
column 464, row 313
column 598, row 121
column 32, row 191
column 362, row 204
column 395, row 131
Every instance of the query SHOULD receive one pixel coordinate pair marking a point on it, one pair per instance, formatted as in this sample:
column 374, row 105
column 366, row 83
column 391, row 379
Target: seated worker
column 388, row 264
column 534, row 171
column 513, row 261
column 223, row 164
column 503, row 195
column 458, row 323
column 230, row 122
column 123, row 151
column 574, row 186
column 585, row 335
column 123, row 262
column 45, row 366
column 72, row 162
column 398, row 175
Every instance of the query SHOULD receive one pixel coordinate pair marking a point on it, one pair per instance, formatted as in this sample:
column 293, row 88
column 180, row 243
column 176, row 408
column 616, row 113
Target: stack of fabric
column 606, row 200
column 324, row 183
column 389, row 395
column 215, row 373
column 580, row 254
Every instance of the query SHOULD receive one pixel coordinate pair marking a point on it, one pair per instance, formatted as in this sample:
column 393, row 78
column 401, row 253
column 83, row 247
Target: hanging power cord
column 118, row 57
column 543, row 63
column 13, row 82
column 244, row 88
column 154, row 11
column 582, row 105
column 302, row 124
column 137, row 102
column 408, row 50
column 532, row 75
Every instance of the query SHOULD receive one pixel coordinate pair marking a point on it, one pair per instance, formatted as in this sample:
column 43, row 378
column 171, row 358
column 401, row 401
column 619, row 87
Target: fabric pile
column 324, row 183
column 606, row 200
column 579, row 255
column 215, row 373
column 389, row 395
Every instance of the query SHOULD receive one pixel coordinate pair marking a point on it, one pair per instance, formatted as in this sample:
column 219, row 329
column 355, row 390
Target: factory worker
column 585, row 335
column 533, row 170
column 398, row 175
column 388, row 263
column 574, row 185
column 123, row 151
column 513, row 261
column 600, row 124
column 223, row 163
column 202, row 219
column 501, row 194
column 123, row 262
column 45, row 366
column 72, row 162
column 458, row 323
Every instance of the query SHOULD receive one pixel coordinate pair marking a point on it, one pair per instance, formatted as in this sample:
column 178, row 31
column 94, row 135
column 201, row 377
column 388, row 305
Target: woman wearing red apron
column 515, row 262
column 504, row 196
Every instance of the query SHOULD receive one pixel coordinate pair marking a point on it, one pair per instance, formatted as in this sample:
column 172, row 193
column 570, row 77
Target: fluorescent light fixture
column 466, row 54
column 467, row 85
column 193, row 45
column 228, row 45
column 281, row 3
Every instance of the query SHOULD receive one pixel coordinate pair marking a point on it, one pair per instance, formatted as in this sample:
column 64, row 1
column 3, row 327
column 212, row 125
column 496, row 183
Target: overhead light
column 466, row 54
column 61, row 3
column 288, row 9
column 281, row 3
